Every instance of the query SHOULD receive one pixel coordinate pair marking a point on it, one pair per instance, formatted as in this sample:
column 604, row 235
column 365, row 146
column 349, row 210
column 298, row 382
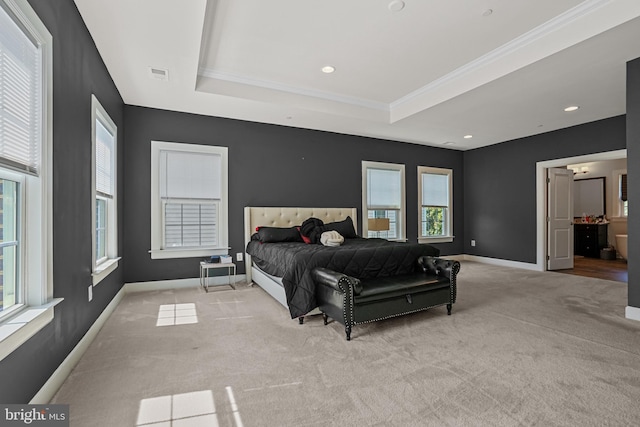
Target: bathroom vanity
column 589, row 239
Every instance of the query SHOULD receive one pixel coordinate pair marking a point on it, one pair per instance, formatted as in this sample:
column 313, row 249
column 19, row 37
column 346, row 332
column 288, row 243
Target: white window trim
column 107, row 265
column 157, row 252
column 440, row 239
column 39, row 308
column 402, row 217
column 616, row 203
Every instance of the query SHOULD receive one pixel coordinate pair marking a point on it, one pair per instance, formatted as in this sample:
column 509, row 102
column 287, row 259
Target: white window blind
column 20, row 97
column 384, row 188
column 190, row 224
column 191, row 190
column 104, row 160
column 435, row 190
column 190, row 175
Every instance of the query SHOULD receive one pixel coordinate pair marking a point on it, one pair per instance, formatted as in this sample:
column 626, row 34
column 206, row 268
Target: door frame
column 542, row 199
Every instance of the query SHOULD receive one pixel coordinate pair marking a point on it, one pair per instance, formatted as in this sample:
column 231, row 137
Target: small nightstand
column 204, row 273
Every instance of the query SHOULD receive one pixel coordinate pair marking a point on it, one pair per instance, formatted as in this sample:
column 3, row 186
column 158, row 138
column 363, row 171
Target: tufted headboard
column 288, row 217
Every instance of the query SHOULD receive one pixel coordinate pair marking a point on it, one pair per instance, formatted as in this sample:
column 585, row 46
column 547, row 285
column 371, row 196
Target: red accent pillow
column 304, row 238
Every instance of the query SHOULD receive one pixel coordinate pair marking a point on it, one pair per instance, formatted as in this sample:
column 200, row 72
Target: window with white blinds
column 26, row 234
column 190, row 190
column 105, row 144
column 105, row 224
column 20, row 95
column 435, row 203
column 189, row 200
column 383, row 196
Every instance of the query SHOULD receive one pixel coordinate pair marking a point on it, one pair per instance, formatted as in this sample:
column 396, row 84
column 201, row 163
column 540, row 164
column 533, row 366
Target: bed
column 284, row 268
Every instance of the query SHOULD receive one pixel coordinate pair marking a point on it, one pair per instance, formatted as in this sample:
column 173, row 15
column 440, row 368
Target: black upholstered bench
column 352, row 301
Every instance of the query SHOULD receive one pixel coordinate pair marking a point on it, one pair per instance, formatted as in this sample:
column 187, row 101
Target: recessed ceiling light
column 328, row 69
column 468, row 136
column 487, row 12
column 571, row 108
column 396, row 6
column 448, row 143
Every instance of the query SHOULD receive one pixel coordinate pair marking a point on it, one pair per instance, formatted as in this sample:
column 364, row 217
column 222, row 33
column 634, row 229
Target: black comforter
column 361, row 258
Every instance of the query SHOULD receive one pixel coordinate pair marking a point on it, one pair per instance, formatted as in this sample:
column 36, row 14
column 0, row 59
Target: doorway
column 584, row 266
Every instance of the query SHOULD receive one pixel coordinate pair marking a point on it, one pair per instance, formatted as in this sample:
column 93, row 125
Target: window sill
column 444, row 239
column 104, row 269
column 17, row 330
column 186, row 253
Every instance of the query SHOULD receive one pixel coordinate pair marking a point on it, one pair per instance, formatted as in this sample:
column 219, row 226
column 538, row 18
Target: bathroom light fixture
column 328, row 69
column 571, row 108
column 582, row 169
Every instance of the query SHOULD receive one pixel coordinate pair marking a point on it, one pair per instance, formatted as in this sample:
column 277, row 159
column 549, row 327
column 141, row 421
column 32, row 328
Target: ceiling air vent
column 159, row 73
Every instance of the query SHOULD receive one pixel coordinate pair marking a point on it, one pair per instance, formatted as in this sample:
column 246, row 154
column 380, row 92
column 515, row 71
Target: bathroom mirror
column 589, row 197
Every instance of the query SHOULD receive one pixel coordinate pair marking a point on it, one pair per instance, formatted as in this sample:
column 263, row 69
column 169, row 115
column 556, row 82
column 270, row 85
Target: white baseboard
column 162, row 285
column 53, row 384
column 459, row 257
column 502, row 262
column 632, row 313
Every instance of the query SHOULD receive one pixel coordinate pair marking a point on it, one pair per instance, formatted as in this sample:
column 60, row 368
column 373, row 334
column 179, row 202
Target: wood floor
column 599, row 268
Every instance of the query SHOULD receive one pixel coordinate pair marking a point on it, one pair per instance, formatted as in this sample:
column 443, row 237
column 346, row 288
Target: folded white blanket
column 331, row 238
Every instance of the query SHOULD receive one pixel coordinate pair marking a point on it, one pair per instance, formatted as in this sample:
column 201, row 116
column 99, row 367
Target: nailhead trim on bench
column 347, row 288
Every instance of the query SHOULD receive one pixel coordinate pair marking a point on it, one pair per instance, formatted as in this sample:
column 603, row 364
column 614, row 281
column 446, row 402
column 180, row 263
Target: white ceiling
column 430, row 73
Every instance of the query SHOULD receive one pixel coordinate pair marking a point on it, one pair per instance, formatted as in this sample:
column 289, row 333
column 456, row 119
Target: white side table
column 204, row 273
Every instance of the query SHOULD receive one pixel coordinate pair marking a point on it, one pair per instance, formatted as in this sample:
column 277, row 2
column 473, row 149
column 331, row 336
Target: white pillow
column 331, row 238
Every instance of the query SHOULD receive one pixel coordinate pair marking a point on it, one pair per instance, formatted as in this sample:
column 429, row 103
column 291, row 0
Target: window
column 383, row 200
column 189, row 200
column 9, row 251
column 104, row 210
column 624, row 202
column 435, row 196
column 26, row 295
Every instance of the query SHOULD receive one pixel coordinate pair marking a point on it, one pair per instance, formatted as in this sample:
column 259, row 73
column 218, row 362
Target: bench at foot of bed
column 351, row 301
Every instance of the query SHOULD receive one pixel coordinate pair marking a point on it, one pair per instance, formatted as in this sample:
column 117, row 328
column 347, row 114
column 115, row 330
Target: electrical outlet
column 473, row 243
column 239, row 257
column 90, row 292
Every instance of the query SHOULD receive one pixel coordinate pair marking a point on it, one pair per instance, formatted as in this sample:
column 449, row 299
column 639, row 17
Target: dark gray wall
column 268, row 166
column 500, row 185
column 633, row 178
column 78, row 71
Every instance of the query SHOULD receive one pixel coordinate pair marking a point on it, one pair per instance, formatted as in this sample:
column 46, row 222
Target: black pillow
column 344, row 227
column 312, row 228
column 279, row 234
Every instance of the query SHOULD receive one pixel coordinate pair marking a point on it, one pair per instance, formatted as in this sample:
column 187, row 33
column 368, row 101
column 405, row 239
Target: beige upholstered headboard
column 288, row 217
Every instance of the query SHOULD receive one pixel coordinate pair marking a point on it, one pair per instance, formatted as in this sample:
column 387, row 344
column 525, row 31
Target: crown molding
column 505, row 50
column 282, row 87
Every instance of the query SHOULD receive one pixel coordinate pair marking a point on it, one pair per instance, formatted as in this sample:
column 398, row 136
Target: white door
column 560, row 219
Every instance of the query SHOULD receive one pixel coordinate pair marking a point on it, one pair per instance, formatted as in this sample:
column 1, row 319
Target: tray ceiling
column 422, row 71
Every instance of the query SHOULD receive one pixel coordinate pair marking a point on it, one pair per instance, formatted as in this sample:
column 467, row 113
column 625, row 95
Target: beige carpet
column 521, row 348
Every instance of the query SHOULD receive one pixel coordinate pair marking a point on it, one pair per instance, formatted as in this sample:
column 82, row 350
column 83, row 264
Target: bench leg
column 325, row 318
column 347, row 330
column 449, row 309
column 301, row 320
